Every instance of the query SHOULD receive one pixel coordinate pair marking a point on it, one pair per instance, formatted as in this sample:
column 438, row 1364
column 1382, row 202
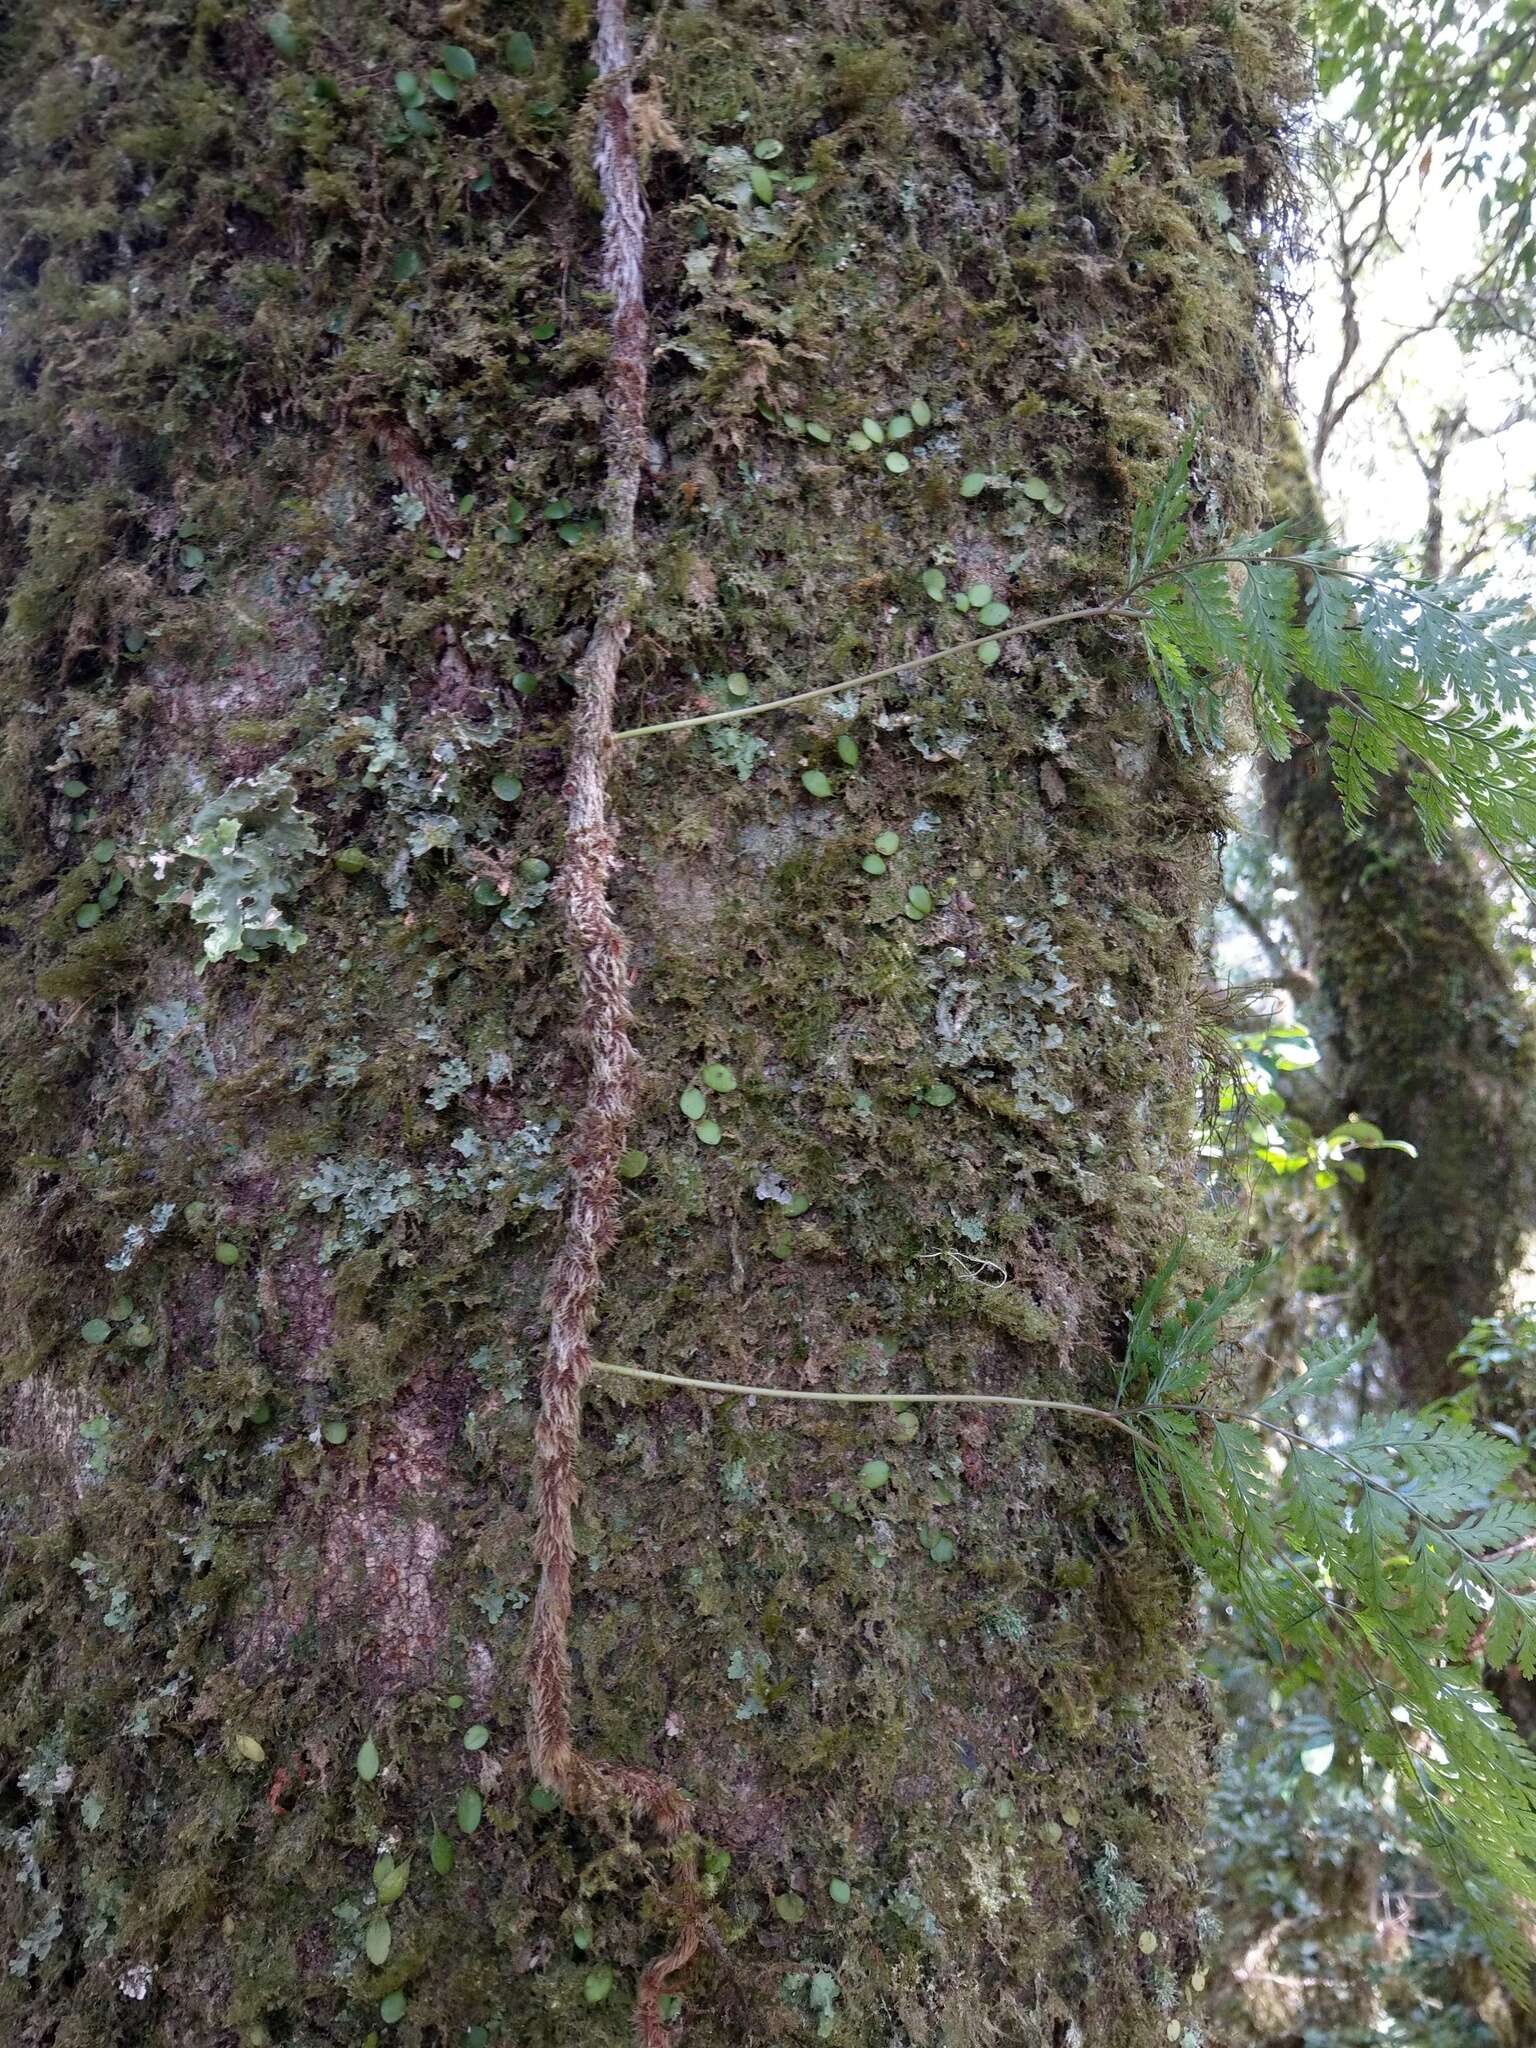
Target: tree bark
column 309, row 397
column 1425, row 1036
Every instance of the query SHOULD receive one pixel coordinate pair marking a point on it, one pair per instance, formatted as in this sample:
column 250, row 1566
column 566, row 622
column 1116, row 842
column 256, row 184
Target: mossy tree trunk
column 302, row 387
column 1425, row 1035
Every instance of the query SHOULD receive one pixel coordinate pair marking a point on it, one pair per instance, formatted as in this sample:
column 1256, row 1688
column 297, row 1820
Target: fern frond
column 1393, row 1565
column 1437, row 680
column 1159, row 525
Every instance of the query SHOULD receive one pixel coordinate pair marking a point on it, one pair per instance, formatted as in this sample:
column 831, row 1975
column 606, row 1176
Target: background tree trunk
column 1424, row 1035
column 301, row 392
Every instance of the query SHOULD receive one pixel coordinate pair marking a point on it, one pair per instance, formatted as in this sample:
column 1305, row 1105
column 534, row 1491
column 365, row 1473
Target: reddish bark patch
column 361, row 1566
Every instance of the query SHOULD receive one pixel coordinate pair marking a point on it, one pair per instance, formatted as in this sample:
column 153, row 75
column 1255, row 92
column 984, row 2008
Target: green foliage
column 1437, row 674
column 1253, row 1126
column 1391, row 1566
column 1459, row 75
column 1301, row 1853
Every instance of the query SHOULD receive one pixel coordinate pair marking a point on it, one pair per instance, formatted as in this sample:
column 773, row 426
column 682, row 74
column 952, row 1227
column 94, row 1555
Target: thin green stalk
column 1118, row 609
column 674, row 1379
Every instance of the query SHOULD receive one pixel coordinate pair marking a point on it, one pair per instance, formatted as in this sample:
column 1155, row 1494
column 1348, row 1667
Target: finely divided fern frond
column 1395, row 1564
column 1434, row 678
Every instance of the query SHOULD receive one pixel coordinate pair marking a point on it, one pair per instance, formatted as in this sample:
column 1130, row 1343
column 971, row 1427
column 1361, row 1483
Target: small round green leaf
column 768, row 150
column 477, row 1737
column 973, row 483
column 707, row 1132
column 933, row 583
column 543, row 1800
column 859, row 443
column 993, row 614
column 848, row 750
column 507, row 787
column 334, row 1431
column 921, row 415
column 694, row 1103
column 873, row 1474
column 840, row 1891
column 96, row 1331
column 719, row 1077
column 390, row 1884
column 816, row 782
column 407, row 264
column 919, row 900
column 942, row 1550
column 441, row 1851
column 632, row 1164
column 597, row 1984
column 872, row 430
column 887, row 843
column 392, row 2008
column 988, row 652
column 818, row 432
column 761, row 183
column 517, row 51
column 469, row 1809
column 104, row 850
column 872, row 864
column 226, row 1253
column 368, row 1759
column 897, row 463
column 250, row 1749
column 790, row 1908
column 457, row 61
column 376, row 1942
column 939, row 1093
column 73, row 788
column 87, row 915
column 900, row 427
column 282, row 35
